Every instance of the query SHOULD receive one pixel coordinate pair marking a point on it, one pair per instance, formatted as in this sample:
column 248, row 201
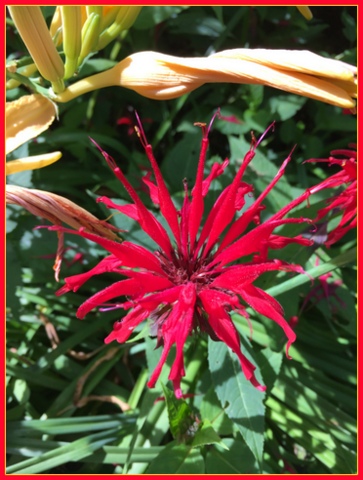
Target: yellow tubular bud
column 55, row 28
column 164, row 77
column 109, row 14
column 26, row 118
column 305, row 11
column 124, row 20
column 94, row 9
column 33, row 29
column 90, row 35
column 84, row 14
column 31, row 163
column 72, row 37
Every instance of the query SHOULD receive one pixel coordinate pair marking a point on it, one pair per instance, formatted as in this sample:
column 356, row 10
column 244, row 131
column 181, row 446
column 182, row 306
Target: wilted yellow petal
column 26, row 118
column 58, row 209
column 31, row 163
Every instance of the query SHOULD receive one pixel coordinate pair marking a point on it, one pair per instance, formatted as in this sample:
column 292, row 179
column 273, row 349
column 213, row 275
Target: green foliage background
column 306, row 421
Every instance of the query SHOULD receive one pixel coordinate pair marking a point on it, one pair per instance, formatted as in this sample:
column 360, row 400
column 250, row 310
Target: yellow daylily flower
column 26, row 118
column 162, row 77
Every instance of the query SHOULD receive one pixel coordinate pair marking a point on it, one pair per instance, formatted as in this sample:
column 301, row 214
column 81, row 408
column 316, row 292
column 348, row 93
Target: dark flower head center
column 182, row 269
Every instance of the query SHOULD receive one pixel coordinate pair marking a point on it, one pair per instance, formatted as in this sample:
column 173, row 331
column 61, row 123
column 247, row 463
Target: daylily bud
column 94, row 9
column 109, row 14
column 164, row 77
column 306, row 12
column 90, row 35
column 33, row 29
column 26, row 118
column 55, row 28
column 124, row 20
column 72, row 37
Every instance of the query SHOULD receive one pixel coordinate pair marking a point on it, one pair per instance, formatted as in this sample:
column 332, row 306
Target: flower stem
column 339, row 261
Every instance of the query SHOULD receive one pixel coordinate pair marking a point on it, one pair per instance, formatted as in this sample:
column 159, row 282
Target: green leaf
column 182, row 161
column 206, row 435
column 181, row 418
column 212, row 411
column 70, row 453
column 243, row 403
column 238, row 459
column 63, row 426
column 286, row 105
column 270, row 365
column 181, row 459
column 21, row 391
column 341, row 260
column 151, row 16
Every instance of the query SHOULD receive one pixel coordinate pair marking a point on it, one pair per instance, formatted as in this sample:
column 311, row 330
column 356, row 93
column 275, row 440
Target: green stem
column 29, row 83
column 339, row 261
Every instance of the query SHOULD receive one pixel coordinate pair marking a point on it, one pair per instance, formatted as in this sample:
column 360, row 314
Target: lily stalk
column 163, row 77
column 32, row 28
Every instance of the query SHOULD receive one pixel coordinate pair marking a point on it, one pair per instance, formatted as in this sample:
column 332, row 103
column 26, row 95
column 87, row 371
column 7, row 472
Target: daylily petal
column 26, row 118
column 31, row 163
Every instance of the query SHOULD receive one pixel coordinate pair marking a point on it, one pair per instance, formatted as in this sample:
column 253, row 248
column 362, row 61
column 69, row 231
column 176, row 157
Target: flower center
column 182, row 270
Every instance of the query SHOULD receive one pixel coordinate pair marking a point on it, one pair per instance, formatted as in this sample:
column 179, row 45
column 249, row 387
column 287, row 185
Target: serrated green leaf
column 286, row 105
column 211, row 410
column 181, row 459
column 206, row 435
column 270, row 364
column 238, row 459
column 243, row 403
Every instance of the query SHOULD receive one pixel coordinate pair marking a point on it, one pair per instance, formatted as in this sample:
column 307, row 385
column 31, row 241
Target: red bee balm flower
column 345, row 200
column 190, row 283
